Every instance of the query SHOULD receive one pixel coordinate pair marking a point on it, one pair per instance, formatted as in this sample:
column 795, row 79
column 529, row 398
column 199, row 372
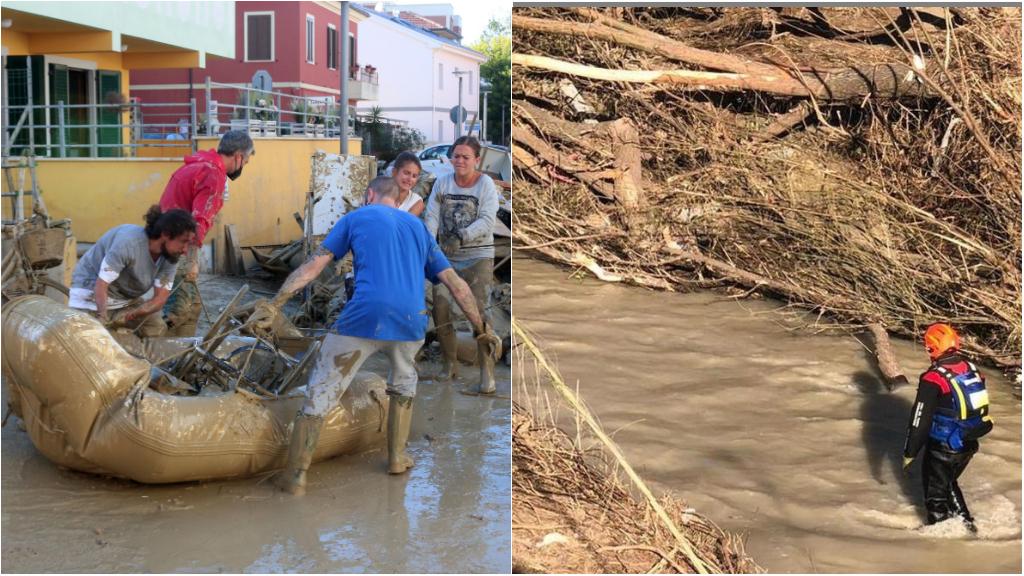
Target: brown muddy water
column 785, row 436
column 450, row 513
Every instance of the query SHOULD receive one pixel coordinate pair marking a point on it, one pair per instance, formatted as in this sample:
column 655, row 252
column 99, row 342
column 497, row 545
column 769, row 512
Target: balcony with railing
column 362, row 82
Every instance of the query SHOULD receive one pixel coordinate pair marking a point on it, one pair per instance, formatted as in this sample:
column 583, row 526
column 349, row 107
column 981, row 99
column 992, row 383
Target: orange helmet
column 939, row 338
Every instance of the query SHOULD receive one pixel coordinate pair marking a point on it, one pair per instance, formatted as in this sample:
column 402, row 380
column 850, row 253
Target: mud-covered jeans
column 478, row 275
column 340, row 358
column 183, row 306
column 149, row 326
column 133, row 335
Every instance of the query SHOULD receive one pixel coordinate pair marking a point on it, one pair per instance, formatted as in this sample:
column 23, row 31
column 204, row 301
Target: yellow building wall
column 98, row 194
column 16, row 43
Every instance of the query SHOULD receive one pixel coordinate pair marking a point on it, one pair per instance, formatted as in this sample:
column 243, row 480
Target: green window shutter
column 108, row 81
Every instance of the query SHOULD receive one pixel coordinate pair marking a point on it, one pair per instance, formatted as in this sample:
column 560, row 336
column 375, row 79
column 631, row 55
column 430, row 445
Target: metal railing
column 364, row 74
column 64, row 130
column 271, row 113
column 78, row 130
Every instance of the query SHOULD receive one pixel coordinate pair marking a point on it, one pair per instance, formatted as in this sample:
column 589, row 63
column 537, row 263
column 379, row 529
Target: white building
column 418, row 80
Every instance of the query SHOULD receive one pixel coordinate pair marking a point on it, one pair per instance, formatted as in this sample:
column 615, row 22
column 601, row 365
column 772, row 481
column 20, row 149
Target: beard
column 168, row 256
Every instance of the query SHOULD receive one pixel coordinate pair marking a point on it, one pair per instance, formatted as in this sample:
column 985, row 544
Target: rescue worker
column 199, row 187
column 392, row 253
column 128, row 261
column 460, row 213
column 949, row 415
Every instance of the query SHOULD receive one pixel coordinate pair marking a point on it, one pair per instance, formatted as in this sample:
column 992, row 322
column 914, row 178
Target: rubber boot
column 305, row 433
column 486, row 362
column 445, row 334
column 399, row 419
column 449, row 351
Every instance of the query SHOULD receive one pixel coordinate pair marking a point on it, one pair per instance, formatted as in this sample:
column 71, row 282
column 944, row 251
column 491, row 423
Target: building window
column 310, row 36
column 440, row 75
column 471, row 83
column 332, row 47
column 259, row 36
column 352, row 49
column 440, row 130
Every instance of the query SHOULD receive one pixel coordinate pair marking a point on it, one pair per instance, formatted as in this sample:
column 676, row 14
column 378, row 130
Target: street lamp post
column 343, row 72
column 485, row 89
column 458, row 125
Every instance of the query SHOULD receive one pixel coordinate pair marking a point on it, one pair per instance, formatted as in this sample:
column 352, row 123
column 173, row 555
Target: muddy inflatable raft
column 88, row 405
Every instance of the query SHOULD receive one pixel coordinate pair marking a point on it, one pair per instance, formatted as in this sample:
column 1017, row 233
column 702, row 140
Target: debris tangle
column 891, row 200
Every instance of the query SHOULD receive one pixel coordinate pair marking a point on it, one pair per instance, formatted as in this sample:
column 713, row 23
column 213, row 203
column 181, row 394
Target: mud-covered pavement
column 771, row 431
column 449, row 514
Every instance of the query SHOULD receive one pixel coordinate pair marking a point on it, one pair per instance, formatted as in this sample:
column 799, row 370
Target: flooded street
column 450, row 513
column 785, row 436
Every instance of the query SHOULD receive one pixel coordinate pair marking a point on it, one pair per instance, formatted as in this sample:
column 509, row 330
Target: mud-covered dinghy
column 89, row 405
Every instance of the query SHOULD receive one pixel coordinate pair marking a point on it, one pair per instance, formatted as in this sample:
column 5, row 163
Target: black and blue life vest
column 968, row 418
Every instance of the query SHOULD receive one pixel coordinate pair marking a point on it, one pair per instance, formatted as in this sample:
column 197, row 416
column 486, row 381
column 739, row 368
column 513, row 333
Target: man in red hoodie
column 198, row 187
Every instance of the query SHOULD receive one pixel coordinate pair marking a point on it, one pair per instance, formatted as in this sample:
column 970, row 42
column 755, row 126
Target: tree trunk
column 888, row 80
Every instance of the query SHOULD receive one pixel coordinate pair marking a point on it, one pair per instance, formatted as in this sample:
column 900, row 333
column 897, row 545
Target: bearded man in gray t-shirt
column 127, row 264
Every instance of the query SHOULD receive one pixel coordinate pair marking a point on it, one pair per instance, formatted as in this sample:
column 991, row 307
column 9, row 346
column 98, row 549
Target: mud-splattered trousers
column 340, row 358
column 149, row 326
column 478, row 275
column 181, row 312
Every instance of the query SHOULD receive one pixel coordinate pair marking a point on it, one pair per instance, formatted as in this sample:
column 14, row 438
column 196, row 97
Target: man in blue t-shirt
column 392, row 253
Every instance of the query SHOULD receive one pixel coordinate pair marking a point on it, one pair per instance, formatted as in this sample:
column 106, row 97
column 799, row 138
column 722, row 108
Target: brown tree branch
column 885, row 80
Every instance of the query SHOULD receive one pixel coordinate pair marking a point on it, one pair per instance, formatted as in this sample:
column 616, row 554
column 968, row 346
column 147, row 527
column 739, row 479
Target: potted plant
column 307, row 115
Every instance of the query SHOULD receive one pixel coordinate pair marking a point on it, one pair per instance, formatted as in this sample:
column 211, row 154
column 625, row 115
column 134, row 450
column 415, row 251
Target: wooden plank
column 236, row 265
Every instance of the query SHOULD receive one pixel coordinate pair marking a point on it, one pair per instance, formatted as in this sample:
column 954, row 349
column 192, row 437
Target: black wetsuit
column 943, row 463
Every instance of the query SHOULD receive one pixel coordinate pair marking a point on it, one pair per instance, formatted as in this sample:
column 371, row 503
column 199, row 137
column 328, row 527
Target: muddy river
column 449, row 514
column 785, row 436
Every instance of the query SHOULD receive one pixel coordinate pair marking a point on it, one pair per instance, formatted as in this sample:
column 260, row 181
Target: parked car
column 434, row 159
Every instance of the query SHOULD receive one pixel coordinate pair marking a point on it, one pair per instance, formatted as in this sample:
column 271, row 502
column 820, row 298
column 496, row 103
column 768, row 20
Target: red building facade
column 296, row 43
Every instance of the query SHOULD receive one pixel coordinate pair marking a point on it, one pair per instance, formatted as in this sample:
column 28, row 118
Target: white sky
column 475, row 14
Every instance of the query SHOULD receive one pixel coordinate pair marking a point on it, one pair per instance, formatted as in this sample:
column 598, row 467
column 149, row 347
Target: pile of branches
column 860, row 162
column 572, row 514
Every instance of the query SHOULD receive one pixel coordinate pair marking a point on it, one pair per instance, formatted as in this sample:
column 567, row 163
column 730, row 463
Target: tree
column 496, row 44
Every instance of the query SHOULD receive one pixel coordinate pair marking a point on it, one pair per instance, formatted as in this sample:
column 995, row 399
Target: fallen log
column 893, row 80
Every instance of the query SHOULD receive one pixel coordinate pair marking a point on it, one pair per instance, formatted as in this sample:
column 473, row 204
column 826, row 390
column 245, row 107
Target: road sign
column 457, row 114
column 261, row 81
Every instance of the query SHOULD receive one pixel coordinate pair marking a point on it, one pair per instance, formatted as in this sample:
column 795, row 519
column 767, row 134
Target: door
column 72, row 87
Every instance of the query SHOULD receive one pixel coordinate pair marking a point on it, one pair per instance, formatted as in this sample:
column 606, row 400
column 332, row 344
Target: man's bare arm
column 192, row 263
column 303, row 275
column 100, row 294
column 463, row 297
column 157, row 302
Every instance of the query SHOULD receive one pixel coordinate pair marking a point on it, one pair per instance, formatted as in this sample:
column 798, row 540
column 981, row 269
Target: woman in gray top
column 460, row 214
